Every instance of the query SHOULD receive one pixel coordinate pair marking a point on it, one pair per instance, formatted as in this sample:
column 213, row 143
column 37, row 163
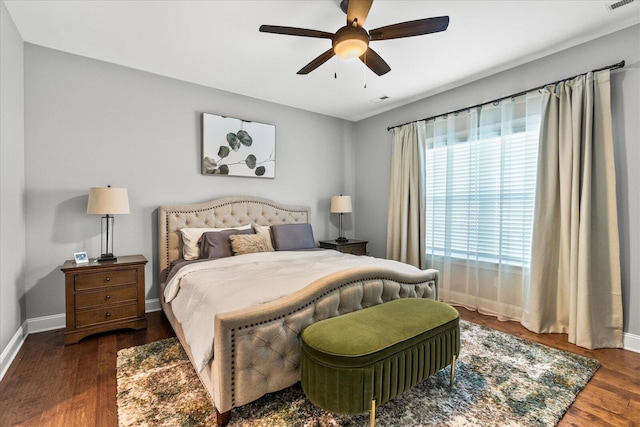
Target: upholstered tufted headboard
column 223, row 212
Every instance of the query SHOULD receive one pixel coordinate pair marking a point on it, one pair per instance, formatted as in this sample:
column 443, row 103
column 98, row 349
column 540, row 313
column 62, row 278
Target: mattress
column 199, row 291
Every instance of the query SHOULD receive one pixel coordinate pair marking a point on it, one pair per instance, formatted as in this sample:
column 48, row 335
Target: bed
column 256, row 349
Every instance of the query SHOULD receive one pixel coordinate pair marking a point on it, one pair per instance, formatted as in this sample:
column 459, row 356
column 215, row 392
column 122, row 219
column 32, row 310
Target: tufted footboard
column 257, row 350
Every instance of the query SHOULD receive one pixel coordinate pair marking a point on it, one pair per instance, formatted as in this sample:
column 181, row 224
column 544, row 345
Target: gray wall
column 12, row 181
column 372, row 147
column 91, row 123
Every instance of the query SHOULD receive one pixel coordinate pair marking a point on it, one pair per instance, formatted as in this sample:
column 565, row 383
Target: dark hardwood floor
column 50, row 384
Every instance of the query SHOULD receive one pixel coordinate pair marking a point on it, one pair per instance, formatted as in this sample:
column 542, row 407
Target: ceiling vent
column 613, row 6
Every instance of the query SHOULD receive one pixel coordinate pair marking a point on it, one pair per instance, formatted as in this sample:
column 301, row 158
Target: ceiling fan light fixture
column 351, row 48
column 350, row 42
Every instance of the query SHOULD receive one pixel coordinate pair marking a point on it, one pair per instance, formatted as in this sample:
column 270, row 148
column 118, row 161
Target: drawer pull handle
column 107, row 315
column 108, row 279
column 107, row 297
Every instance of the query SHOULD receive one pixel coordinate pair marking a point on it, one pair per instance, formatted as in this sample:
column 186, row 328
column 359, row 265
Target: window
column 480, row 182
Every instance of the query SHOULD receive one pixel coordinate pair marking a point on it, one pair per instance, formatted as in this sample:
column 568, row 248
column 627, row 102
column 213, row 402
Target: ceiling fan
column 352, row 40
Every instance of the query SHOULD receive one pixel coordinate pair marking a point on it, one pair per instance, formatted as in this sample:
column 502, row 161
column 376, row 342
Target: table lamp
column 341, row 205
column 107, row 201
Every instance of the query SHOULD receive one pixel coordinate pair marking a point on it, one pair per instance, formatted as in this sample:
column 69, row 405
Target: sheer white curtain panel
column 480, row 183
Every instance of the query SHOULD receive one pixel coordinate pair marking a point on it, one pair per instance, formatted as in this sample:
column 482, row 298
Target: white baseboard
column 43, row 324
column 46, row 323
column 11, row 350
column 58, row 321
column 631, row 342
column 153, row 305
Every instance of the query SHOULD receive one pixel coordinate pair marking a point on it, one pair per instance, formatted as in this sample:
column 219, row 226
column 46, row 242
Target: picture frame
column 237, row 147
column 81, row 257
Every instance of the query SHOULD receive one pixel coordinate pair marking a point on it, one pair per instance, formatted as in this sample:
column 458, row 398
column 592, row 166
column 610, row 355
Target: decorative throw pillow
column 191, row 237
column 249, row 243
column 216, row 244
column 265, row 231
column 291, row 237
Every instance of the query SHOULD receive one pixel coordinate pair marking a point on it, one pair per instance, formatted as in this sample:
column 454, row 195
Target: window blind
column 481, row 178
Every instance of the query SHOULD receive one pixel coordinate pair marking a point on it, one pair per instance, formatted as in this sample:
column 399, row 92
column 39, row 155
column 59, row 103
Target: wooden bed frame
column 257, row 349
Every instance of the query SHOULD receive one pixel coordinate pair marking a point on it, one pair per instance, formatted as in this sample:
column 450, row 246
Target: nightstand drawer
column 106, row 296
column 351, row 246
column 107, row 314
column 107, row 278
column 354, row 249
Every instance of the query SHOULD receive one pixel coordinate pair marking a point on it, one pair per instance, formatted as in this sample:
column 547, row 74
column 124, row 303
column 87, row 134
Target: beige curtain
column 575, row 285
column 406, row 215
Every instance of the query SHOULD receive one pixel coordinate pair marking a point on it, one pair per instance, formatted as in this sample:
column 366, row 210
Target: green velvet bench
column 352, row 362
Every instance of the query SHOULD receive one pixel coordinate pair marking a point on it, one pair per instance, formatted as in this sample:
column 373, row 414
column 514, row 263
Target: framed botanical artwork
column 236, row 147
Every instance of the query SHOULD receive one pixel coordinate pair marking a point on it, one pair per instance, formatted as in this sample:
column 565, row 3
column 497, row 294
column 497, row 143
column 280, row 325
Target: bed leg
column 222, row 419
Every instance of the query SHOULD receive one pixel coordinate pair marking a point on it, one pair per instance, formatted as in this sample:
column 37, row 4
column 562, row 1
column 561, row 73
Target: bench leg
column 453, row 370
column 372, row 414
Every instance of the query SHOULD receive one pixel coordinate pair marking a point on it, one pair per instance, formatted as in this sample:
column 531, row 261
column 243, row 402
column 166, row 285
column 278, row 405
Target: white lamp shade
column 341, row 204
column 108, row 200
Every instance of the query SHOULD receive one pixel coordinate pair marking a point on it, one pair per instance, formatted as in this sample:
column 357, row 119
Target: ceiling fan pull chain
column 364, row 70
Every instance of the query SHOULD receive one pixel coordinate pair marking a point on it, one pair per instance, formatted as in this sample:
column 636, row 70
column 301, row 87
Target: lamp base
column 107, row 258
column 342, row 240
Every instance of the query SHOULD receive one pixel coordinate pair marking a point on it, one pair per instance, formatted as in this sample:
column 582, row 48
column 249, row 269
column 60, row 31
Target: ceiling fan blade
column 358, row 10
column 375, row 62
column 317, row 62
column 293, row 31
column 410, row 28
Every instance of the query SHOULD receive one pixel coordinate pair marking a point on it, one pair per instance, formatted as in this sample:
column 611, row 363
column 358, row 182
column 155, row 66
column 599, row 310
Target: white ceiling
column 217, row 44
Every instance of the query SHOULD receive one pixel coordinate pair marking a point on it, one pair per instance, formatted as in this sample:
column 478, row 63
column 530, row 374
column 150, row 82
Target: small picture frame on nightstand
column 81, row 257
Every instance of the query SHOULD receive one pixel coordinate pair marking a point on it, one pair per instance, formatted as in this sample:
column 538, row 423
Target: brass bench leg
column 372, row 414
column 453, row 370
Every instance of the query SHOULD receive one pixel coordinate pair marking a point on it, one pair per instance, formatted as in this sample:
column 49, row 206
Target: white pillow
column 264, row 230
column 190, row 237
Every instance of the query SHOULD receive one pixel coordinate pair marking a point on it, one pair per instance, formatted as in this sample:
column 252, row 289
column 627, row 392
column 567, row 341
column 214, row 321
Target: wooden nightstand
column 104, row 296
column 352, row 246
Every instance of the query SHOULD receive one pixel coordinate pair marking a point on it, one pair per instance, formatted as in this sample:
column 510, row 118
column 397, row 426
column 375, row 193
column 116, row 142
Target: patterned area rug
column 501, row 380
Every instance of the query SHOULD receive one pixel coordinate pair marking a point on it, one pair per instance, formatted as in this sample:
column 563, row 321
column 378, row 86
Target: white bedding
column 199, row 291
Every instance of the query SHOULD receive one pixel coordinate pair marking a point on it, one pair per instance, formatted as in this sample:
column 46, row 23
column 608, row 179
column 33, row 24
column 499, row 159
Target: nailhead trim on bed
column 217, row 213
column 385, row 282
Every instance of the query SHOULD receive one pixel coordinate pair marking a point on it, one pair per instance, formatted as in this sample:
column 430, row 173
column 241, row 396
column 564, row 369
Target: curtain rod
column 609, row 67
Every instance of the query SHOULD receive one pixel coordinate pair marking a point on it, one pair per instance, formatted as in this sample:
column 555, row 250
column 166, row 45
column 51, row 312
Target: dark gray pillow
column 216, row 244
column 291, row 237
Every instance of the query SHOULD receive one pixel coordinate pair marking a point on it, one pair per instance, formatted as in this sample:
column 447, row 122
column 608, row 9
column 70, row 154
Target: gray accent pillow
column 191, row 239
column 216, row 244
column 291, row 237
